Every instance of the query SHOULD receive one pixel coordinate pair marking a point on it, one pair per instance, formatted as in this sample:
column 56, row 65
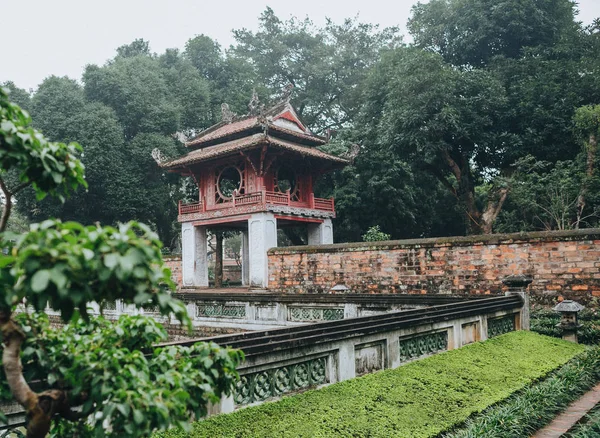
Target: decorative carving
column 254, row 104
column 227, row 115
column 286, row 93
column 274, row 382
column 158, row 156
column 423, row 345
column 255, row 208
column 352, row 153
column 220, row 311
column 499, row 326
column 315, row 314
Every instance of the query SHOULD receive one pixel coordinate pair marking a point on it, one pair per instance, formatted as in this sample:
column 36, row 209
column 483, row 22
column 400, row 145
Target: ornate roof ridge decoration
column 227, row 116
column 158, row 156
column 260, row 118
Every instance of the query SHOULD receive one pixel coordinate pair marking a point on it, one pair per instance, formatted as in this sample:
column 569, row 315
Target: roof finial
column 158, row 156
column 227, row 115
column 286, row 94
column 254, row 104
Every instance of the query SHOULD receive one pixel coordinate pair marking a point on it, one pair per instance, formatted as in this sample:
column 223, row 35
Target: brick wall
column 563, row 263
column 174, row 264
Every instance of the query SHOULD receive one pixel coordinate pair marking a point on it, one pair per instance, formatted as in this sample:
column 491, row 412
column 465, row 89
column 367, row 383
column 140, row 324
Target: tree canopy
column 442, row 124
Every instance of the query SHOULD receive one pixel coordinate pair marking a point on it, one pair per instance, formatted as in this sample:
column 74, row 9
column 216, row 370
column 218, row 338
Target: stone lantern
column 569, row 322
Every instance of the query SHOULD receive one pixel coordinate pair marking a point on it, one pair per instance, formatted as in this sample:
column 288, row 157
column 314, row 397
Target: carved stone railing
column 287, row 360
column 292, row 359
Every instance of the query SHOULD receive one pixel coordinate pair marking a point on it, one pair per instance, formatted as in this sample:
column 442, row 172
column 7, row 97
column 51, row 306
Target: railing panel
column 193, row 207
column 324, row 204
column 274, row 198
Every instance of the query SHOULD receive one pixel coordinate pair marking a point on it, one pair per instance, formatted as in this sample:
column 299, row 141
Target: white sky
column 60, row 37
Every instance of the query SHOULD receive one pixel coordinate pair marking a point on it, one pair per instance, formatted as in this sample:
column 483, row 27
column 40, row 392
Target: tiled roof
column 223, row 130
column 246, row 143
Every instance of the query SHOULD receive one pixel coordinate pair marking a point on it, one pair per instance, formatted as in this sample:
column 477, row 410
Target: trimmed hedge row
column 544, row 321
column 534, row 407
column 420, row 399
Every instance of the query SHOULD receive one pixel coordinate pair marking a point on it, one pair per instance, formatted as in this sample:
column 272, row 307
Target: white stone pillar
column 262, row 236
column 245, row 259
column 194, row 255
column 320, row 234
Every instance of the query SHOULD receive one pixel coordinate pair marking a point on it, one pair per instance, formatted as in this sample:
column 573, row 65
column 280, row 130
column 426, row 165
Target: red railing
column 324, row 204
column 192, row 207
column 250, row 198
column 262, row 198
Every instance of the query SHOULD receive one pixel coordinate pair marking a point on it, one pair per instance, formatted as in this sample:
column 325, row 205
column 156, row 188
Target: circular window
column 230, row 180
column 286, row 180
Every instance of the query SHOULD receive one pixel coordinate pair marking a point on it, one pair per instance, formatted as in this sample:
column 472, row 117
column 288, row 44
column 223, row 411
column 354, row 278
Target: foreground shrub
column 420, row 399
column 534, row 407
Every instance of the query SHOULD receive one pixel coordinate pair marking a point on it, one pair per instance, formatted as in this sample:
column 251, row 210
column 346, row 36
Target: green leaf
column 138, row 416
column 39, row 281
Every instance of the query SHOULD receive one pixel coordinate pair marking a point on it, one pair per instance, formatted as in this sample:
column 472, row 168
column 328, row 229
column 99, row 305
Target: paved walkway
column 571, row 415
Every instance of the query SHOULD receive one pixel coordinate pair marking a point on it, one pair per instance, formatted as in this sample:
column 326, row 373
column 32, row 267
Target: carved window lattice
column 220, row 311
column 151, row 309
column 109, row 306
column 423, row 345
column 220, row 197
column 277, row 381
column 315, row 314
column 499, row 326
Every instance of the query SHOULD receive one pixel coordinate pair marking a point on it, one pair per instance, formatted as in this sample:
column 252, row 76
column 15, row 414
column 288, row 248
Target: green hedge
column 420, row 399
column 535, row 406
column 544, row 321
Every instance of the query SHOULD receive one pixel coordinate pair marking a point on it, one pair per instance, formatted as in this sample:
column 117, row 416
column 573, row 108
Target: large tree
column 324, row 65
column 471, row 32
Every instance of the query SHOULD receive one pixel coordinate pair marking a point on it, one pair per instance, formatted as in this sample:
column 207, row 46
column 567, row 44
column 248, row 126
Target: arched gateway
column 254, row 173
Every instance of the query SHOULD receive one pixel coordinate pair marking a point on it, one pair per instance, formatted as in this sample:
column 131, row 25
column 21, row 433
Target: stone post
column 262, row 236
column 245, row 259
column 517, row 285
column 194, row 262
column 320, row 234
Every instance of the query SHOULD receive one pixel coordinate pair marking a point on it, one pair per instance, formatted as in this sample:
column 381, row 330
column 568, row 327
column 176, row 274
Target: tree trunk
column 592, row 148
column 40, row 408
column 219, row 260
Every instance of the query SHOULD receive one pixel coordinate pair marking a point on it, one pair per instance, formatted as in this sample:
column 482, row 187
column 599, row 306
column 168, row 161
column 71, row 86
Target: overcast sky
column 61, row 36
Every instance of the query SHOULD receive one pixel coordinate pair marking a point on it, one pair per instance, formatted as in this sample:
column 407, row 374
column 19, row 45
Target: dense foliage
column 123, row 386
column 473, row 127
column 545, row 322
column 420, row 399
column 531, row 409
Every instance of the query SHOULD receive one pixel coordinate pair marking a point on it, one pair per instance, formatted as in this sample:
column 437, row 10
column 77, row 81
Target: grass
column 529, row 410
column 420, row 399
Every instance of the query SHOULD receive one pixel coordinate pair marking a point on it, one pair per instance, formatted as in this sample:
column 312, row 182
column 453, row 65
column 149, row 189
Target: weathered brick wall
column 563, row 263
column 174, row 264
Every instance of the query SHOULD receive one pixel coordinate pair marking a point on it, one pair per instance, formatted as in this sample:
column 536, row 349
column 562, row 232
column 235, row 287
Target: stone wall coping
column 266, row 342
column 486, row 239
column 290, row 298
